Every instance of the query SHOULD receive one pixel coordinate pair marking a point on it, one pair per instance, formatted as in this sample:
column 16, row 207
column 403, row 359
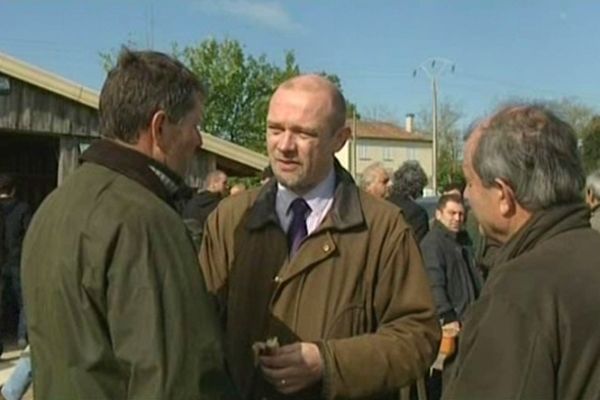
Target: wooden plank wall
column 28, row 108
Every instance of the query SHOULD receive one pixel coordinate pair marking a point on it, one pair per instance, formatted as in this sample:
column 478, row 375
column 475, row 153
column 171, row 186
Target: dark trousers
column 10, row 292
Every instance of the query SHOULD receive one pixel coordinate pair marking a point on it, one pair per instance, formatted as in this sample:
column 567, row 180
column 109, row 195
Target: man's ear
column 157, row 130
column 507, row 198
column 341, row 137
column 438, row 214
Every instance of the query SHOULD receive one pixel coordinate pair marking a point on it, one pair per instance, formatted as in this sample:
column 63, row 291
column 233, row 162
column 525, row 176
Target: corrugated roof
column 45, row 80
column 56, row 84
column 385, row 131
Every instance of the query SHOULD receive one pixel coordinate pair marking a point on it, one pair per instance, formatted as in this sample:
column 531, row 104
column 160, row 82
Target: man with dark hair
column 409, row 181
column 16, row 215
column 448, row 255
column 455, row 187
column 325, row 281
column 533, row 333
column 483, row 248
column 454, row 279
column 115, row 300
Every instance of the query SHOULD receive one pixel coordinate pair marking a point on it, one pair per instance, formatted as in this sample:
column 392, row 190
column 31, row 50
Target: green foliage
column 239, row 87
column 573, row 112
column 449, row 168
column 591, row 145
column 450, row 143
column 570, row 110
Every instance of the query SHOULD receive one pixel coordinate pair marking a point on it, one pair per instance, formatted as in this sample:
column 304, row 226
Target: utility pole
column 353, row 145
column 434, row 68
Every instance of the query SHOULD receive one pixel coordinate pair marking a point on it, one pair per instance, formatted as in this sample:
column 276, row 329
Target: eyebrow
column 293, row 128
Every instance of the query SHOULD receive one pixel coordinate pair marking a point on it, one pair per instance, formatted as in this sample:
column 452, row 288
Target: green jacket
column 115, row 301
column 356, row 287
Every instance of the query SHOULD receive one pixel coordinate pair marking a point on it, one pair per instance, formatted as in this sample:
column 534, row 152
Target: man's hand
column 293, row 367
column 451, row 328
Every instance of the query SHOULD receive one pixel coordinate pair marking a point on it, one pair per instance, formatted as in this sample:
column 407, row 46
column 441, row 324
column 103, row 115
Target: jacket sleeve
column 214, row 258
column 435, row 265
column 503, row 354
column 406, row 338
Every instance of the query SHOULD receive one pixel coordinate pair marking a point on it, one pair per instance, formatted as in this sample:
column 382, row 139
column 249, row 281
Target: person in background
column 237, row 188
column 456, row 188
column 205, row 201
column 448, row 255
column 592, row 198
column 16, row 215
column 454, row 278
column 408, row 184
column 19, row 381
column 484, row 248
column 266, row 174
column 324, row 276
column 116, row 303
column 376, row 181
column 533, row 332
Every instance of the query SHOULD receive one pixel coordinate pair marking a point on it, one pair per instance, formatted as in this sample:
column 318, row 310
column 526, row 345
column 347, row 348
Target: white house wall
column 392, row 153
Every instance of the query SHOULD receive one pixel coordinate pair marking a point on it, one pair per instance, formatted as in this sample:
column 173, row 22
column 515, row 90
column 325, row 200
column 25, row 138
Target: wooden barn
column 47, row 121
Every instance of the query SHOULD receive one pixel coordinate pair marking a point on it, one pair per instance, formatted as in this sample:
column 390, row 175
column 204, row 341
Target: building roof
column 58, row 85
column 385, row 131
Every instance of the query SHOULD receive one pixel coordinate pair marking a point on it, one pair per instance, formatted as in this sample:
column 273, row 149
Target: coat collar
column 543, row 225
column 461, row 237
column 345, row 213
column 148, row 172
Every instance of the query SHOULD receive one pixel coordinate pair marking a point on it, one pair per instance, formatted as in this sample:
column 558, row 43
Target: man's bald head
column 318, row 83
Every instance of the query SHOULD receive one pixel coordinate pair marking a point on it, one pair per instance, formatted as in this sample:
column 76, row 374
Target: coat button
column 277, row 279
column 326, row 247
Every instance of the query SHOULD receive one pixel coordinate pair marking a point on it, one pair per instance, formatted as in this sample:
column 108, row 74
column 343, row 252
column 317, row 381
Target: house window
column 362, row 152
column 388, row 154
column 411, row 153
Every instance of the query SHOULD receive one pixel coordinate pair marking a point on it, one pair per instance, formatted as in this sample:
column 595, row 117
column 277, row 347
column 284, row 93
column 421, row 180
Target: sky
column 527, row 49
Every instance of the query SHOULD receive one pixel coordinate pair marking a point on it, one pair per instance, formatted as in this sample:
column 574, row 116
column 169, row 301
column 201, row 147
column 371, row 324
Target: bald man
column 328, row 276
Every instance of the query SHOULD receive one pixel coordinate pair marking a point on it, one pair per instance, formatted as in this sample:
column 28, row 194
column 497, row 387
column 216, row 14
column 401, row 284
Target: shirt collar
column 316, row 198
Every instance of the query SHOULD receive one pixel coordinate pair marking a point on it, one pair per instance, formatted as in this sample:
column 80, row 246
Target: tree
column 591, row 145
column 382, row 113
column 239, row 87
column 578, row 115
column 570, row 110
column 449, row 141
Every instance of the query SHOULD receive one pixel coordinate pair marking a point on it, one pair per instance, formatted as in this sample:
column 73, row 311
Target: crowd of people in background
column 310, row 285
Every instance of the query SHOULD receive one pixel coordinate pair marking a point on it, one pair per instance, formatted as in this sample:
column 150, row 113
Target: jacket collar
column 346, row 211
column 151, row 174
column 437, row 225
column 543, row 225
column 461, row 237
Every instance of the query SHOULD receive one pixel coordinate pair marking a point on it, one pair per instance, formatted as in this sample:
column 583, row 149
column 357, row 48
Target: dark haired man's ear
column 158, row 133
